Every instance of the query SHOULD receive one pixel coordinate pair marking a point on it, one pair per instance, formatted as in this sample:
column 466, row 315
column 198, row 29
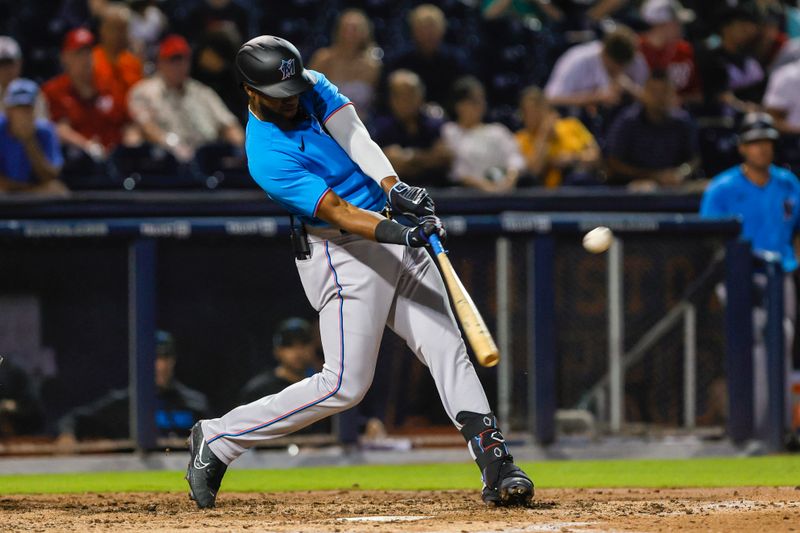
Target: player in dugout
column 767, row 199
column 361, row 271
column 294, row 351
column 177, row 406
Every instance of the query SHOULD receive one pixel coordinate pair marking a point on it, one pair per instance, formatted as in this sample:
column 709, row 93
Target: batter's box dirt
column 589, row 510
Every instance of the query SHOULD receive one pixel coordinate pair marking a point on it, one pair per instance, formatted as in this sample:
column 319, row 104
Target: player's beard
column 279, row 120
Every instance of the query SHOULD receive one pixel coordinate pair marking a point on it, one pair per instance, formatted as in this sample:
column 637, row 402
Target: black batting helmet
column 273, row 66
column 757, row 126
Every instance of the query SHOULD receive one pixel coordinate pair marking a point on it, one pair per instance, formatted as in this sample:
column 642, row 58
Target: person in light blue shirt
column 30, row 156
column 361, row 270
column 767, row 199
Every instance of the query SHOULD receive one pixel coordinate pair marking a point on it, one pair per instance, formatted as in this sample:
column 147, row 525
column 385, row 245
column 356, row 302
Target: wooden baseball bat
column 478, row 335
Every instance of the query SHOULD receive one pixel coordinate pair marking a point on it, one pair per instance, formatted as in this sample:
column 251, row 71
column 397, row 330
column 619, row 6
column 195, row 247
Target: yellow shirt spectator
column 553, row 145
column 569, row 138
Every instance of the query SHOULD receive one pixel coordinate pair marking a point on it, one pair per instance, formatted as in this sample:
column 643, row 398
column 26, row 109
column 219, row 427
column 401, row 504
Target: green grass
column 717, row 472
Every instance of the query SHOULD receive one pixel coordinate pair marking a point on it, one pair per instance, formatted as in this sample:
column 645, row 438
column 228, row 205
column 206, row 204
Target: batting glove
column 417, row 237
column 407, row 200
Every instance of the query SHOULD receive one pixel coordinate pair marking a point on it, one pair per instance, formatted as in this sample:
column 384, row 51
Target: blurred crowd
column 492, row 95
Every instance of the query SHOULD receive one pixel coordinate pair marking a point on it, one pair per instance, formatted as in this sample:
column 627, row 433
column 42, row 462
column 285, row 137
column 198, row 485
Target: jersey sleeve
column 288, row 182
column 712, row 205
column 324, row 99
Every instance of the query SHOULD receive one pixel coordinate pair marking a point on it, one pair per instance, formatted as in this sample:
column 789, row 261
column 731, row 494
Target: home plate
column 384, row 518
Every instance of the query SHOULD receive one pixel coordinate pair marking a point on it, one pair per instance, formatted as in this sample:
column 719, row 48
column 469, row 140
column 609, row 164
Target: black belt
column 299, row 236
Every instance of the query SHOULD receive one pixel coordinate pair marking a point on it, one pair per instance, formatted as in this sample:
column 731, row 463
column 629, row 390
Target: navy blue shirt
column 635, row 140
column 770, row 214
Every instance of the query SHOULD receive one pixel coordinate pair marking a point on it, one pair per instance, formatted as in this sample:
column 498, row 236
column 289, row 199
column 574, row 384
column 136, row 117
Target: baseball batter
column 361, row 271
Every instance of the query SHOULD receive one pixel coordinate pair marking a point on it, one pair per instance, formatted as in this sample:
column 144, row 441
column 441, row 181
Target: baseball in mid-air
column 598, row 240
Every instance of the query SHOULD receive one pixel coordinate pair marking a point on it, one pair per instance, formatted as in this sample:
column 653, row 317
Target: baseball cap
column 21, row 91
column 174, row 45
column 9, row 49
column 292, row 331
column 656, row 12
column 165, row 344
column 77, row 39
column 757, row 126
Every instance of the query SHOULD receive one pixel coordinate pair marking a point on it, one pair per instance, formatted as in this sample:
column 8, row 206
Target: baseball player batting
column 360, row 270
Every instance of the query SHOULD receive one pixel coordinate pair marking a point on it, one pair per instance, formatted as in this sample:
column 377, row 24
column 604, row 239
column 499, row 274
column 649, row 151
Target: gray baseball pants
column 358, row 287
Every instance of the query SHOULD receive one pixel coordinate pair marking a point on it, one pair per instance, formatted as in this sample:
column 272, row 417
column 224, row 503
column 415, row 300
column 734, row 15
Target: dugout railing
column 520, row 245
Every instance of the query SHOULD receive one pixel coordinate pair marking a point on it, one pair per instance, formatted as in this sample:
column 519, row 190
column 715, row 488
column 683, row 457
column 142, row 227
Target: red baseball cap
column 174, row 45
column 77, row 39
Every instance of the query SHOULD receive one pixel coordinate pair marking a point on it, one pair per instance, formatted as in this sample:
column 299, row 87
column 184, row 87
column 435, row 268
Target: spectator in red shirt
column 116, row 68
column 665, row 49
column 86, row 116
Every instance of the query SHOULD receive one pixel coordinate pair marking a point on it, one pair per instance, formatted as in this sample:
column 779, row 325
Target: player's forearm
column 346, row 216
column 388, row 182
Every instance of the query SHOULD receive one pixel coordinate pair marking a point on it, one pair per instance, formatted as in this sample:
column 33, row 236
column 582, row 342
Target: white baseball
column 598, row 240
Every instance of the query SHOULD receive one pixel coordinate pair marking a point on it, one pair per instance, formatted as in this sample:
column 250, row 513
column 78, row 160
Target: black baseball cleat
column 513, row 487
column 205, row 470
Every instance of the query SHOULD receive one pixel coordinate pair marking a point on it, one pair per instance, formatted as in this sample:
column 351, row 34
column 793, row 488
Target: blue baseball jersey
column 770, row 214
column 299, row 166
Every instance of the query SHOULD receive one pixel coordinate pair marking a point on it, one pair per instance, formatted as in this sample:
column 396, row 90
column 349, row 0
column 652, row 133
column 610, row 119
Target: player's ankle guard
column 485, row 443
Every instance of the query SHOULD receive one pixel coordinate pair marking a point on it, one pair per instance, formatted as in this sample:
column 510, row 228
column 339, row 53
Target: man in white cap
column 664, row 47
column 30, row 156
column 10, row 69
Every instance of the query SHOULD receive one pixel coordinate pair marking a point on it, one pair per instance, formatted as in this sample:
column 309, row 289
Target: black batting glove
column 407, row 200
column 417, row 237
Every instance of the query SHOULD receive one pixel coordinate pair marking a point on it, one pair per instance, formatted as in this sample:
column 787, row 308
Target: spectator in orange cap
column 177, row 112
column 87, row 117
column 116, row 68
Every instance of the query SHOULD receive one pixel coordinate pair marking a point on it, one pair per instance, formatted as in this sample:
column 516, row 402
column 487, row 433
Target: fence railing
column 536, row 236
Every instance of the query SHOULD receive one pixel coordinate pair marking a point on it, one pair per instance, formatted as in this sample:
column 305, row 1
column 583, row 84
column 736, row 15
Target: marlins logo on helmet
column 287, row 68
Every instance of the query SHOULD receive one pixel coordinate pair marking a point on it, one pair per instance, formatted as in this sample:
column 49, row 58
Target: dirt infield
column 589, row 510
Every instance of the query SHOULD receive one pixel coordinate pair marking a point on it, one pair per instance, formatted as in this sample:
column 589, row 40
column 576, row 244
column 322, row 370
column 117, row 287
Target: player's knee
column 351, row 394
